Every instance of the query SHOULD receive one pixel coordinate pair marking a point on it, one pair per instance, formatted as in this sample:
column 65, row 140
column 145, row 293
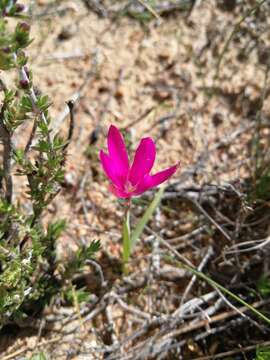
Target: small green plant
column 27, row 247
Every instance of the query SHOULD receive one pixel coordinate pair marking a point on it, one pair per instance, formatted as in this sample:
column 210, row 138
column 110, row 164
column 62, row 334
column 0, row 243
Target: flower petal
column 117, row 192
column 143, row 161
column 109, row 168
column 150, row 181
column 117, row 151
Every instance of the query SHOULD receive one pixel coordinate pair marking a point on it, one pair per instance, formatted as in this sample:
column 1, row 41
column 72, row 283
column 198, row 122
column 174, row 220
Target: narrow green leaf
column 146, row 217
column 214, row 284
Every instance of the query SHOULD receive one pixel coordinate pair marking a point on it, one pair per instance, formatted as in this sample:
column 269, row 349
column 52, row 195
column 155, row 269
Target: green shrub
column 27, row 247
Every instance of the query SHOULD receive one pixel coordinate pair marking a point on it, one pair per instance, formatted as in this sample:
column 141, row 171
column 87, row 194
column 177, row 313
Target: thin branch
column 98, row 268
column 31, row 137
column 150, row 9
column 204, row 261
column 5, row 137
column 70, row 105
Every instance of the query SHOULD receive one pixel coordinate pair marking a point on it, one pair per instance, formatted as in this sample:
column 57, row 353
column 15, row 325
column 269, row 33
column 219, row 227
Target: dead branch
column 70, row 105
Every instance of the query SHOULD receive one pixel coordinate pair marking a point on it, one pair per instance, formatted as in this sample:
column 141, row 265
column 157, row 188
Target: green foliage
column 262, row 186
column 142, row 16
column 146, row 217
column 26, row 274
column 82, row 296
column 263, row 286
column 263, row 353
column 13, row 43
column 20, row 38
column 10, row 8
column 85, row 253
column 39, row 356
column 14, row 110
column 28, row 264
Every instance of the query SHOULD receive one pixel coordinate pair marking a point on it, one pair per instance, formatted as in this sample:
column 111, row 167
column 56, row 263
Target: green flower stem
column 129, row 240
column 126, row 237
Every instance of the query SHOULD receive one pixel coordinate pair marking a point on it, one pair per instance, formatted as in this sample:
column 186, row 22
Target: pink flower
column 126, row 180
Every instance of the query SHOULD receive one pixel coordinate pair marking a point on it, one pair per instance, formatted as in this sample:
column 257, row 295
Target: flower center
column 129, row 187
